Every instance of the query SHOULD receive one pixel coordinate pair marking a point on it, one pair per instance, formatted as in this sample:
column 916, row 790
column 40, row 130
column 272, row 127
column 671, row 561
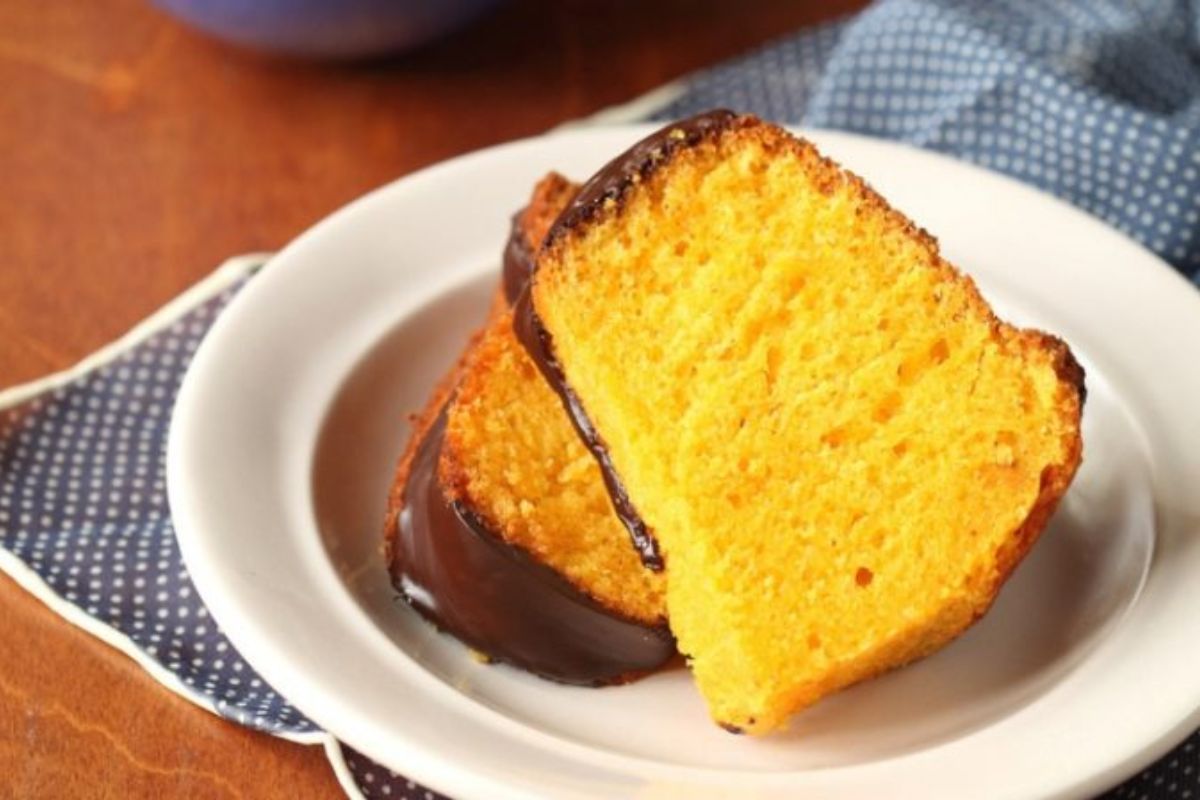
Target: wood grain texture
column 79, row 719
column 135, row 156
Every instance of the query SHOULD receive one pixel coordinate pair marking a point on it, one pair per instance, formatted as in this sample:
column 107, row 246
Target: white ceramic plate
column 291, row 418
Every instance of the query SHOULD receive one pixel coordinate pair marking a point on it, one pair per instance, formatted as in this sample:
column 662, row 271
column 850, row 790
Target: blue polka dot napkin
column 1096, row 102
column 83, row 508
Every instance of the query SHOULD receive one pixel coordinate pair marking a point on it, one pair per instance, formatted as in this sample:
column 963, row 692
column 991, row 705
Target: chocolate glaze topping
column 497, row 599
column 518, row 261
column 610, row 184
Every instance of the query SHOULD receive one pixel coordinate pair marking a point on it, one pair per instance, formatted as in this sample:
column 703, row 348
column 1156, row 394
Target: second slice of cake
column 499, row 527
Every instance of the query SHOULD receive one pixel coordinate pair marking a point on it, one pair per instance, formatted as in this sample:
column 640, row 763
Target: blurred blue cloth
column 1096, row 102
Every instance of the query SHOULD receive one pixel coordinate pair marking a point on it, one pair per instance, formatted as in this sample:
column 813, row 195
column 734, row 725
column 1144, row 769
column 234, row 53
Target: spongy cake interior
column 511, row 455
column 837, row 445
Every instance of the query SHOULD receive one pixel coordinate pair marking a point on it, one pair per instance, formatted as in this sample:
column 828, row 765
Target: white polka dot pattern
column 1175, row 777
column 1096, row 101
column 83, row 503
column 377, row 783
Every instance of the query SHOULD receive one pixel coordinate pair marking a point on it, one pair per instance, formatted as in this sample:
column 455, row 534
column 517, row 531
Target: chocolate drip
column 518, row 267
column 518, row 261
column 536, row 340
column 609, row 185
column 497, row 599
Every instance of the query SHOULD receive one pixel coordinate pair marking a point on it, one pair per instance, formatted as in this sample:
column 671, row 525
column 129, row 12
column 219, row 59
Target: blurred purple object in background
column 326, row 28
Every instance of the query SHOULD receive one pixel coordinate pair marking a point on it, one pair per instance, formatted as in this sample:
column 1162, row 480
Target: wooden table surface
column 135, row 155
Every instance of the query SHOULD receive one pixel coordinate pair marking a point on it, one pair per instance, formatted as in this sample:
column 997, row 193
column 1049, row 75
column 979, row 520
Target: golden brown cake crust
column 551, row 196
column 1055, row 480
